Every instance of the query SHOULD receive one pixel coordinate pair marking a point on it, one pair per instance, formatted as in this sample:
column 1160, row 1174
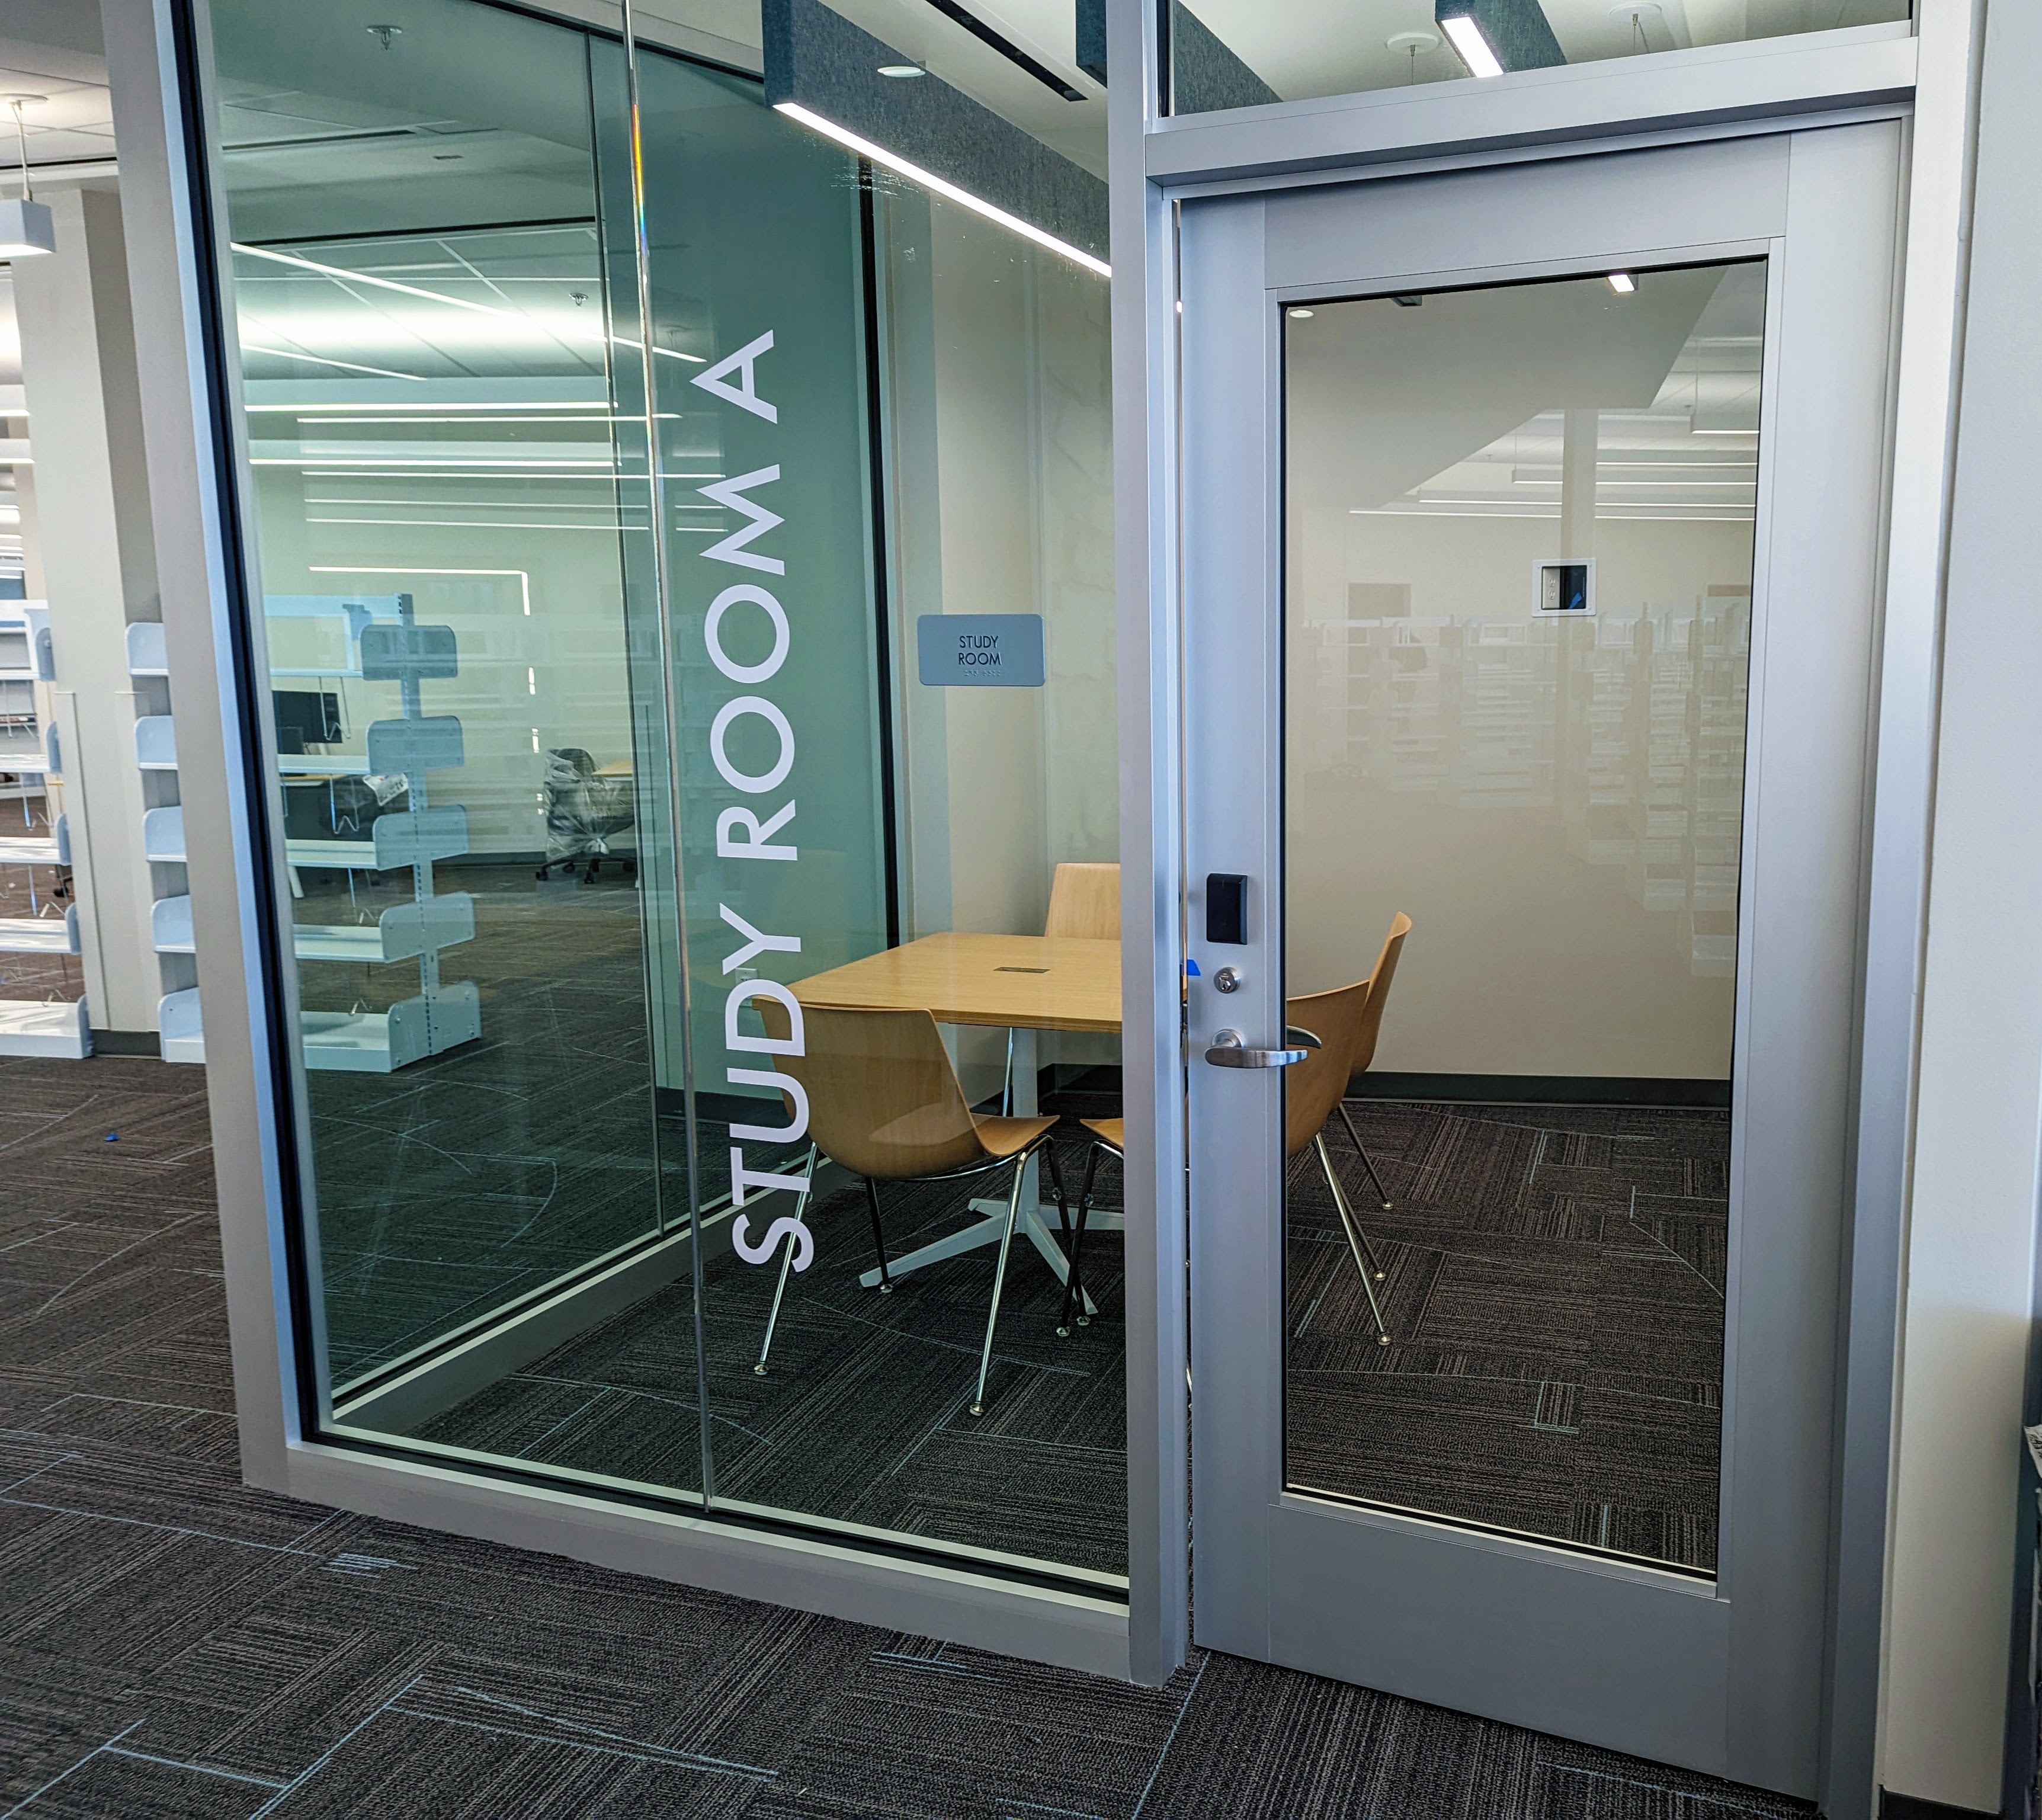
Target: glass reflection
column 1248, row 53
column 1519, row 624
column 556, row 911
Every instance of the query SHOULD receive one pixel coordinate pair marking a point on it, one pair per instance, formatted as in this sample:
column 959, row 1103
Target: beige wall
column 1001, row 400
column 1556, row 804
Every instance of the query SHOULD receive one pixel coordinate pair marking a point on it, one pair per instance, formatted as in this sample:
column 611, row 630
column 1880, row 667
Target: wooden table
column 1021, row 984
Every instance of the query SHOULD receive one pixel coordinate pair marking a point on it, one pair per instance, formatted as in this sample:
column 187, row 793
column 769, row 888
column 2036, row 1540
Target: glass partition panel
column 1518, row 626
column 1249, row 53
column 686, row 529
column 421, row 299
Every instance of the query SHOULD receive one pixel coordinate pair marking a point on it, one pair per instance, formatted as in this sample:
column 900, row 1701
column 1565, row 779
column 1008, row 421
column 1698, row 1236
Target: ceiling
column 52, row 48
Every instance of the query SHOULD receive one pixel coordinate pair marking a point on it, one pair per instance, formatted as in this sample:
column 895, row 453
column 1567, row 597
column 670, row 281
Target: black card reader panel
column 1226, row 908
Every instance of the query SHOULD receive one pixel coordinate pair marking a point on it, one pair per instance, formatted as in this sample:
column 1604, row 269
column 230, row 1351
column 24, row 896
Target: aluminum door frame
column 1725, row 1677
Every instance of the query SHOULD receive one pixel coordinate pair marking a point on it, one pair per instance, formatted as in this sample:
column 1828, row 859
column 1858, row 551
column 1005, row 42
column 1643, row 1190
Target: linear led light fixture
column 1473, row 47
column 914, row 173
column 441, row 403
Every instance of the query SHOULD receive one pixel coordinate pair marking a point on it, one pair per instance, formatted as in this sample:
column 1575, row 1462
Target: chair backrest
column 1085, row 900
column 883, row 1098
column 1378, row 994
column 1315, row 1085
column 1346, row 1021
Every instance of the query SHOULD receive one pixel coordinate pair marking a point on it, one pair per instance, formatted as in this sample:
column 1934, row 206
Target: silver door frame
column 1156, row 163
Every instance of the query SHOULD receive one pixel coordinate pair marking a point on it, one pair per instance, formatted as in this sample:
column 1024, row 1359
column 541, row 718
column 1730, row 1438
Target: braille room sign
column 980, row 650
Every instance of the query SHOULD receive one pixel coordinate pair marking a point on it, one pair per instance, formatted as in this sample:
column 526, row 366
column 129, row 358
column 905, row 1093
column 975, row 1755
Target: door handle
column 1229, row 1050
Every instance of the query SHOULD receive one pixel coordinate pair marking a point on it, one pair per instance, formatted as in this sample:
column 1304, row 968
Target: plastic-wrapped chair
column 584, row 812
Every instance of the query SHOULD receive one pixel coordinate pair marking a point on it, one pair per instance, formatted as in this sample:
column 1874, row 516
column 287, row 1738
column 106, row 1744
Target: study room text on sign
column 980, row 650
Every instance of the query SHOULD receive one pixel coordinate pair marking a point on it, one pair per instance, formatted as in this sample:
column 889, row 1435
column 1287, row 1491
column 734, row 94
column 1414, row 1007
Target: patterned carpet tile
column 1552, row 1288
column 927, row 1729
column 176, row 1646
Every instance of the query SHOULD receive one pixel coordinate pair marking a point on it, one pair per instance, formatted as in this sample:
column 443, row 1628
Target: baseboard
column 126, row 1043
column 1542, row 1090
column 1892, row 1807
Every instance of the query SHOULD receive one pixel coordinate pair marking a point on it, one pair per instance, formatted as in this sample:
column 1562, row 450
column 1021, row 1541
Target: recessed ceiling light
column 1301, row 315
column 902, row 71
column 1623, row 283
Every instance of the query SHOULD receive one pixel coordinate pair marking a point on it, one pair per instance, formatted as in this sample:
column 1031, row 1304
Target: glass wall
column 1520, row 534
column 701, row 842
column 1249, row 53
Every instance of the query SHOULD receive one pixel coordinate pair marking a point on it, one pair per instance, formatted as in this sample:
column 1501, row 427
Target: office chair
column 884, row 1101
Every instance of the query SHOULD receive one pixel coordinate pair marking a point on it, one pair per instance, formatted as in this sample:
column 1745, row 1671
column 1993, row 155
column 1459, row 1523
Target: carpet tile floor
column 176, row 1646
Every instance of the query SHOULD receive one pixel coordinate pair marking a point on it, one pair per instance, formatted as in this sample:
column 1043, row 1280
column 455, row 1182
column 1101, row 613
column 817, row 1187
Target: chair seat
column 1003, row 1137
column 1112, row 1131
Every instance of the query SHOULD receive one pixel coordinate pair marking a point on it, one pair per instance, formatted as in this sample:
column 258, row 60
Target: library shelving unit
column 30, row 752
column 380, row 642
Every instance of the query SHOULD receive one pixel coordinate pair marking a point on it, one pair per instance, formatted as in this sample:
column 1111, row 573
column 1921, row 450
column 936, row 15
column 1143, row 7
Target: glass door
column 1524, row 812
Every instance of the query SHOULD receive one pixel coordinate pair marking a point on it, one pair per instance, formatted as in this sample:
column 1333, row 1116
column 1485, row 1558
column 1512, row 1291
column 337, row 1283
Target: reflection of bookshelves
column 30, row 754
column 384, row 643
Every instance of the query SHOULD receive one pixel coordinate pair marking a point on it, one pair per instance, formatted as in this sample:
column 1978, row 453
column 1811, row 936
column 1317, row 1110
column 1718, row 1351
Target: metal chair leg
column 878, row 1234
column 1073, row 1283
column 1357, row 1241
column 1000, row 1281
column 786, row 1261
column 1381, row 1194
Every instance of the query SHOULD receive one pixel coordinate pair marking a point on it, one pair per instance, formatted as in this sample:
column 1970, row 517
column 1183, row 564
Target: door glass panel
column 1249, row 53
column 1518, row 570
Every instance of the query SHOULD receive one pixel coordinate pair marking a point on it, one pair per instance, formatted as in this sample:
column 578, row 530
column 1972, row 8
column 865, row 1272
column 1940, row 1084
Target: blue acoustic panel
column 1516, row 30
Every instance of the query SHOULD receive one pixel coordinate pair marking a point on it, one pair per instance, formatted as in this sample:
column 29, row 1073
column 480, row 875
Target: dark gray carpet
column 863, row 1415
column 1554, row 1291
column 174, row 1646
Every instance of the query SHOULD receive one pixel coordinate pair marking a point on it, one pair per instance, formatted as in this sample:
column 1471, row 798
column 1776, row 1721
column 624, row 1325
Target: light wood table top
column 1013, row 982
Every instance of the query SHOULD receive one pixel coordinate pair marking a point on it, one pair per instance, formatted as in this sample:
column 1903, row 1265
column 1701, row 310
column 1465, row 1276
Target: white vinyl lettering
column 786, row 1226
column 797, row 1120
column 756, row 941
column 745, row 990
column 741, row 835
column 731, row 597
column 746, row 394
column 730, row 495
column 734, row 710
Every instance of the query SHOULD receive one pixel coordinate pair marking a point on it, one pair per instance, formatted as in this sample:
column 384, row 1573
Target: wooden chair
column 1084, row 902
column 1345, row 1023
column 884, row 1101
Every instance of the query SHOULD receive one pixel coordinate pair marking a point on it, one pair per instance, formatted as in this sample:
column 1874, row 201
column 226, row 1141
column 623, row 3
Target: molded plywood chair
column 1084, row 902
column 884, row 1101
column 1345, row 1023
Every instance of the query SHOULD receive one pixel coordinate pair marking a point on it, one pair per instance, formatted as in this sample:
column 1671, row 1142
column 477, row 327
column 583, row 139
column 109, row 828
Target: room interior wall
column 1001, row 377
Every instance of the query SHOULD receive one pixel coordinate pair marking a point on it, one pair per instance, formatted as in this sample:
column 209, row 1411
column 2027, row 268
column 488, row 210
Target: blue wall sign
column 980, row 650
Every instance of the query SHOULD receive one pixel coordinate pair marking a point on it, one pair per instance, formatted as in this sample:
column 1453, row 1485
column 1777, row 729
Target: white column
column 94, row 535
